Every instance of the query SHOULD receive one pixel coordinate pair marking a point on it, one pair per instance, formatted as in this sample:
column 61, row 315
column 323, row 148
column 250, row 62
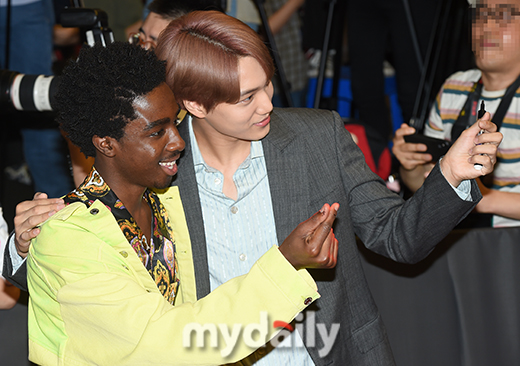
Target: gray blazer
column 311, row 159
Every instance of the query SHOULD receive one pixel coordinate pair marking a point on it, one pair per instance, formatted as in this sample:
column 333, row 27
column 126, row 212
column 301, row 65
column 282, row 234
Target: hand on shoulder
column 30, row 214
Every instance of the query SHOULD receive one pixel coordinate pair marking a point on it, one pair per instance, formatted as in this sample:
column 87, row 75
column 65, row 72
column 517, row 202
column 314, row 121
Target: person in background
column 496, row 45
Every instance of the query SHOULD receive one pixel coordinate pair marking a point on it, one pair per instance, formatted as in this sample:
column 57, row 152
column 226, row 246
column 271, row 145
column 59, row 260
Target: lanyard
column 468, row 114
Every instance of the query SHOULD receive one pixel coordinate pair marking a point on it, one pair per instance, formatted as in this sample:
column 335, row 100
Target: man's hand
column 30, row 214
column 313, row 244
column 410, row 155
column 415, row 163
column 470, row 149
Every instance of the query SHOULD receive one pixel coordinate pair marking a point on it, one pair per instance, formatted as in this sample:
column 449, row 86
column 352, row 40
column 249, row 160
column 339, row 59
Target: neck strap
column 468, row 114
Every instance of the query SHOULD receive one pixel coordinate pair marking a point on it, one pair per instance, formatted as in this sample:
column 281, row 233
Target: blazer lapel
column 189, row 192
column 279, row 151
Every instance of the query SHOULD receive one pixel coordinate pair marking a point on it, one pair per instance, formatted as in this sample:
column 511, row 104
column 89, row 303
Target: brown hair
column 202, row 50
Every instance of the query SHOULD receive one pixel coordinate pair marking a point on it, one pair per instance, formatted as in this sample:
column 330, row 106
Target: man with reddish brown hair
column 245, row 161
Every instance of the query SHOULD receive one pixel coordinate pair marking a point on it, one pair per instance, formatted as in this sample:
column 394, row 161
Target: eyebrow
column 249, row 91
column 253, row 90
column 159, row 122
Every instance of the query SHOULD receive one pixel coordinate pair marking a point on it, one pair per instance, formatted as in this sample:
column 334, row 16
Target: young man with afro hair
column 111, row 275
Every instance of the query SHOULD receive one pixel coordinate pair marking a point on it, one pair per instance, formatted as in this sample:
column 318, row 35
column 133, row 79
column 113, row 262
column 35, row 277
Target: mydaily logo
column 254, row 334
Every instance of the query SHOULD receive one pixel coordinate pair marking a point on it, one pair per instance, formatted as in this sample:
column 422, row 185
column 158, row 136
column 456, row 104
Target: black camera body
column 435, row 147
column 95, row 21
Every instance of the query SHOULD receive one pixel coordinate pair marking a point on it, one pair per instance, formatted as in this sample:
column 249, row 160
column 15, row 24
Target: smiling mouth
column 168, row 165
column 264, row 122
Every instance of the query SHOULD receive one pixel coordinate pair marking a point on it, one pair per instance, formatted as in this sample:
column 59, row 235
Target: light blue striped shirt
column 239, row 232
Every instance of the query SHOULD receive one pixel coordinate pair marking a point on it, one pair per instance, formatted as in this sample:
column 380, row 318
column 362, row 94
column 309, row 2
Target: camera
column 36, row 92
column 27, row 92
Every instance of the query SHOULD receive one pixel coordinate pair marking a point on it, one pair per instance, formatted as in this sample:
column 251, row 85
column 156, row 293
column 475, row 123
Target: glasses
column 138, row 39
column 502, row 14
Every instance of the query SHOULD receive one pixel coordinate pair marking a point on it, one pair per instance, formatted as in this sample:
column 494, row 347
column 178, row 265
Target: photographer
column 496, row 45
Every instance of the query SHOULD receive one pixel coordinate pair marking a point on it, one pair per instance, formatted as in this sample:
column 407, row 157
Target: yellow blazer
column 93, row 302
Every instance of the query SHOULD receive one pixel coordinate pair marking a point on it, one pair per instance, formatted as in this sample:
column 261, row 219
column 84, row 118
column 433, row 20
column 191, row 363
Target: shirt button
column 234, row 209
column 242, row 257
column 94, row 211
column 123, row 253
column 307, row 301
column 217, row 181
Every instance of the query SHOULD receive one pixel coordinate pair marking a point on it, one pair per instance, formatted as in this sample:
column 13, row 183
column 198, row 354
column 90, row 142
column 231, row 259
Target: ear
column 105, row 145
column 195, row 109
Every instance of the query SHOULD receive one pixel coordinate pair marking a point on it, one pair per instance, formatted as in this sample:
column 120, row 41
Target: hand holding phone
column 435, row 147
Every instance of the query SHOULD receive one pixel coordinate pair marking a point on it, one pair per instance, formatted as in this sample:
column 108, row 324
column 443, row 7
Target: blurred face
column 496, row 35
column 148, row 151
column 248, row 119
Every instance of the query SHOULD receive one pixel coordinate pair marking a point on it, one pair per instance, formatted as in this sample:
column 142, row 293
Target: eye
column 247, row 100
column 157, row 133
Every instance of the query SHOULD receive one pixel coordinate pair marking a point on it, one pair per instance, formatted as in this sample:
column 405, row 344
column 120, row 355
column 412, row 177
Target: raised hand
column 313, row 244
column 472, row 148
column 30, row 214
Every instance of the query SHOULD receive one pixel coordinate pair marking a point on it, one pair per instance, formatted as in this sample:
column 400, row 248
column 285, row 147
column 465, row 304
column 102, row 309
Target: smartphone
column 435, row 147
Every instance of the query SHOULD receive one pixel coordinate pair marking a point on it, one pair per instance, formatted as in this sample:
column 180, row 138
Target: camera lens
column 27, row 92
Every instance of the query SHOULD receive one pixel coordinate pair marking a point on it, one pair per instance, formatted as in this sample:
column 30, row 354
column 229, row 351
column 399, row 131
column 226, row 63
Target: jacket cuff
column 298, row 286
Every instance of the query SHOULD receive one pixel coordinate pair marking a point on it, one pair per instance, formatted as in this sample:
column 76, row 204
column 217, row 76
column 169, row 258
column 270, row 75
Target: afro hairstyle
column 96, row 93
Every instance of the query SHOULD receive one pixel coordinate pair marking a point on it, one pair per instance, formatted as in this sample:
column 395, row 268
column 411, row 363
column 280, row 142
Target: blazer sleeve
column 19, row 278
column 87, row 306
column 406, row 231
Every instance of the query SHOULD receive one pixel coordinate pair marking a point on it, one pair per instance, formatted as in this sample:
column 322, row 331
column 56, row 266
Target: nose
column 175, row 141
column 266, row 100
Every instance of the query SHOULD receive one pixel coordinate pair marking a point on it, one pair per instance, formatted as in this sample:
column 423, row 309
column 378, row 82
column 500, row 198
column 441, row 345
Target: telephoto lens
column 27, row 92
